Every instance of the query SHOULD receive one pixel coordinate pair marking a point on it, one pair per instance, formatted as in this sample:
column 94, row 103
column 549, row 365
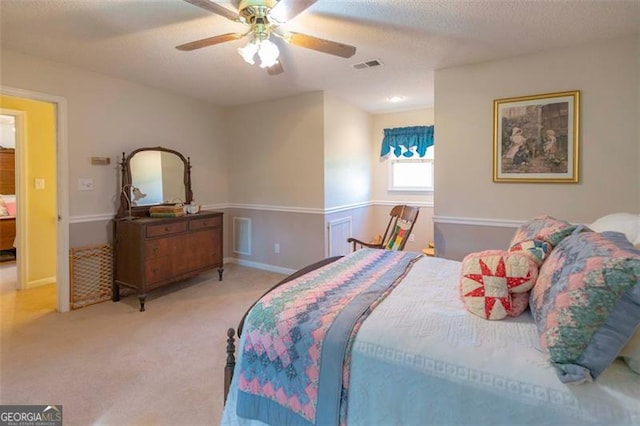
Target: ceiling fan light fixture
column 268, row 53
column 249, row 52
column 265, row 18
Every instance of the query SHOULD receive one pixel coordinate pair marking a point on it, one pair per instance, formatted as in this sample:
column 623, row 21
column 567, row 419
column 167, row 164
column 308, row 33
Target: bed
column 419, row 355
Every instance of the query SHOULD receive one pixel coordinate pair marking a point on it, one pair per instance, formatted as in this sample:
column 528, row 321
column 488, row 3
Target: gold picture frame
column 536, row 139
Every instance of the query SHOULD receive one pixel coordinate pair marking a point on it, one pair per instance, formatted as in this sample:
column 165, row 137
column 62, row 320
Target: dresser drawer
column 166, row 229
column 173, row 245
column 208, row 222
column 157, row 270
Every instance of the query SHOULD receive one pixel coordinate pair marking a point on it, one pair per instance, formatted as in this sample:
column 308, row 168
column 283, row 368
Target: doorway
column 28, row 256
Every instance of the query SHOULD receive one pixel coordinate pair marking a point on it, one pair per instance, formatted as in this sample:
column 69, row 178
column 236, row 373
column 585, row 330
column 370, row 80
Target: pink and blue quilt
column 296, row 340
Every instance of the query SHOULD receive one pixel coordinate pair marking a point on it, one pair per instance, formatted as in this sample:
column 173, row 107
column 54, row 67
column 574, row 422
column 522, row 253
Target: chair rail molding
column 271, row 207
column 502, row 223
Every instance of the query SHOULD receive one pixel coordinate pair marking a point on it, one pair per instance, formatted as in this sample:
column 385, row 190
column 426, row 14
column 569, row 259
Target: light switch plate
column 39, row 183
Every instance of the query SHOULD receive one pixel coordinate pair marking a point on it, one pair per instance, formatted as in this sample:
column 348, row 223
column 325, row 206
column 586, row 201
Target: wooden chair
column 401, row 221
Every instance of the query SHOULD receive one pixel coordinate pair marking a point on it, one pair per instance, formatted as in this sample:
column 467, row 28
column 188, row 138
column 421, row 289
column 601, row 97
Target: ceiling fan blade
column 275, row 69
column 215, row 8
column 288, row 9
column 209, row 41
column 321, row 45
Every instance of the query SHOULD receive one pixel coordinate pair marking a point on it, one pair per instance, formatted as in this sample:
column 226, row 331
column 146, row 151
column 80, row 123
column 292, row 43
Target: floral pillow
column 543, row 228
column 586, row 302
column 495, row 284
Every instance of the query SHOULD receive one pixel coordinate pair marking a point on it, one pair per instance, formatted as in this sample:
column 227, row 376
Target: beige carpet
column 110, row 364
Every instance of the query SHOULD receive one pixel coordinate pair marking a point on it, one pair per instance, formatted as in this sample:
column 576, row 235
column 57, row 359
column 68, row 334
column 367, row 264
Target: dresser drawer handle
column 166, row 228
column 205, row 223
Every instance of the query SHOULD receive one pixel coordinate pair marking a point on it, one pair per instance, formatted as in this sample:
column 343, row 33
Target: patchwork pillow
column 538, row 250
column 399, row 234
column 586, row 302
column 543, row 228
column 494, row 284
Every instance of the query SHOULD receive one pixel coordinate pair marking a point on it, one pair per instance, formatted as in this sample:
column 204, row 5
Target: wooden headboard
column 7, row 171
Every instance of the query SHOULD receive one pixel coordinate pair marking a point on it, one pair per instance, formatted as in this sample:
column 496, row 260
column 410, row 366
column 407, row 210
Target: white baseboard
column 37, row 283
column 258, row 265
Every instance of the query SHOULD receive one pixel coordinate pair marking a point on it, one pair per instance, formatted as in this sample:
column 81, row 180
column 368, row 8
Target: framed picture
column 536, row 138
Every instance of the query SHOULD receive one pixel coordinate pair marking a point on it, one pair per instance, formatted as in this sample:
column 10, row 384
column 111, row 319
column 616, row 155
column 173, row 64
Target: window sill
column 421, row 191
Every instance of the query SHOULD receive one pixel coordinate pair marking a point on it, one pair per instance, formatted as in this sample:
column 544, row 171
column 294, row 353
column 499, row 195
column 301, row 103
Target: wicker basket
column 91, row 273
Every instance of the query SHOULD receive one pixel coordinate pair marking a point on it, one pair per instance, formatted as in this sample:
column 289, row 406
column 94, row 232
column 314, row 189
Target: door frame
column 62, row 191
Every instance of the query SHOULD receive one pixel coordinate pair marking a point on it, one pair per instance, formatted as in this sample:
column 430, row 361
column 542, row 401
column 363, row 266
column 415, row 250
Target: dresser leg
column 142, row 298
column 115, row 292
column 220, row 271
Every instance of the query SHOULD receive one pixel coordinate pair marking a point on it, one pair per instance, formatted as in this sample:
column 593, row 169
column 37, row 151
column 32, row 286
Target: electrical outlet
column 411, row 237
column 276, row 248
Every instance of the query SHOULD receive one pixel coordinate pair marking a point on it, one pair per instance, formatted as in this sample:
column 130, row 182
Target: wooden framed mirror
column 153, row 176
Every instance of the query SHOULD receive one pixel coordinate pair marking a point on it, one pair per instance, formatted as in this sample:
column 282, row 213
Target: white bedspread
column 421, row 358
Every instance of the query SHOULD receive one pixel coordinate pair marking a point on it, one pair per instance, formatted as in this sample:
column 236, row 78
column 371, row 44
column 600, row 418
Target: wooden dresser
column 153, row 252
column 7, row 232
column 8, row 187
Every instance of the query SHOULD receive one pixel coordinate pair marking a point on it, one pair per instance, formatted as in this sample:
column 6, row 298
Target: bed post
column 231, row 362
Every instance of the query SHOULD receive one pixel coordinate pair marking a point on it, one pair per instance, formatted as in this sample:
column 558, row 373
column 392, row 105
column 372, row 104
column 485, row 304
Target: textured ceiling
column 136, row 39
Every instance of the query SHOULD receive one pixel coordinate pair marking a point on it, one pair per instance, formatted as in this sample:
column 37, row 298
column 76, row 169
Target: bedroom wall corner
column 347, row 169
column 276, row 172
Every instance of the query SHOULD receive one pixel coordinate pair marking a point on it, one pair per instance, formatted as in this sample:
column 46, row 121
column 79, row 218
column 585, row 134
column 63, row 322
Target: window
column 411, row 173
column 409, row 151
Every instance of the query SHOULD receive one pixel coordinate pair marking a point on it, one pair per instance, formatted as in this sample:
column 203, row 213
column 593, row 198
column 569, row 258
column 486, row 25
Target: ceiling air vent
column 367, row 64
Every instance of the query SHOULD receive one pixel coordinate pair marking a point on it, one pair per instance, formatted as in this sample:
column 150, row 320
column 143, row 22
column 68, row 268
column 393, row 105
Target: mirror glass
column 153, row 176
column 157, row 177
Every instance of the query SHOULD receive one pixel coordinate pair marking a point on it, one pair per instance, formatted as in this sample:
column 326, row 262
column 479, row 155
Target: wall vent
column 242, row 235
column 368, row 64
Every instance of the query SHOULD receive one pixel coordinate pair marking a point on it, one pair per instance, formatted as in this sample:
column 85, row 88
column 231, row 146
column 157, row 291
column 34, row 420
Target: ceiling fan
column 265, row 18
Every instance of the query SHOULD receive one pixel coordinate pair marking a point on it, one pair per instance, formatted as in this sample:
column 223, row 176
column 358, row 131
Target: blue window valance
column 413, row 139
